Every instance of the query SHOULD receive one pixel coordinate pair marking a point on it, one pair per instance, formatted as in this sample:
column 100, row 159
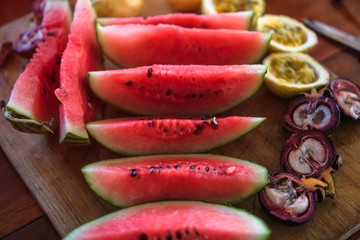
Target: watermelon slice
column 140, row 136
column 180, row 90
column 81, row 55
column 175, row 220
column 212, row 178
column 132, row 45
column 231, row 20
column 32, row 106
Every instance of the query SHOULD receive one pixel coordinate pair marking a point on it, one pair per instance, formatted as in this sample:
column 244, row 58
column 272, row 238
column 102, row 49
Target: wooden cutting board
column 52, row 171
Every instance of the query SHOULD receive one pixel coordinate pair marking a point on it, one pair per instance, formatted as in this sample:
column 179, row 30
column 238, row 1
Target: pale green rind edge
column 255, row 123
column 261, row 183
column 76, row 233
column 23, row 123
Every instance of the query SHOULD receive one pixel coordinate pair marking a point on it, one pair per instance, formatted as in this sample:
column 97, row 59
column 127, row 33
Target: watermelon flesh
column 81, row 55
column 32, row 106
column 177, row 90
column 141, row 136
column 231, row 20
column 174, row 220
column 212, row 178
column 132, row 45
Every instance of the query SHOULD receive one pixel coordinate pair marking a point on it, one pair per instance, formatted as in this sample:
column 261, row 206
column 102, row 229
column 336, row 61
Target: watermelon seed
column 178, row 234
column 128, row 83
column 199, row 49
column 168, row 167
column 51, row 33
column 177, row 167
column 160, row 168
column 133, row 172
column 168, row 236
column 196, row 232
column 44, row 90
column 149, row 71
column 187, row 231
column 214, row 123
column 52, row 77
column 152, row 169
column 143, row 236
column 207, row 169
column 192, row 167
column 181, row 129
column 201, row 95
column 196, row 132
column 58, row 59
column 168, row 92
column 165, row 130
column 193, row 95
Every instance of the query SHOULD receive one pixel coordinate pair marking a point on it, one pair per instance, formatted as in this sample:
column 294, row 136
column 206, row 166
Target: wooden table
column 23, row 217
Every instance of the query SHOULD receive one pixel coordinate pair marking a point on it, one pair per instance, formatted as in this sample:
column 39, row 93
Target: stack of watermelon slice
column 182, row 68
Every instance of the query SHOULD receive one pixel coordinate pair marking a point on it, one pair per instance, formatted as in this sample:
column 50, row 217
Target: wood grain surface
column 52, row 171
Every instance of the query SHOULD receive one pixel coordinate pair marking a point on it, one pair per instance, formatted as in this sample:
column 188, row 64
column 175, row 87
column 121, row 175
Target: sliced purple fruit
column 347, row 95
column 311, row 154
column 290, row 198
column 312, row 112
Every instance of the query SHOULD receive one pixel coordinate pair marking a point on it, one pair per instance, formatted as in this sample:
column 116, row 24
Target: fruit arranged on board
column 292, row 73
column 118, row 8
column 289, row 35
column 219, row 6
column 289, row 198
column 347, row 95
column 36, row 111
column 313, row 111
column 134, row 45
column 175, row 220
column 181, row 90
column 82, row 54
column 184, row 5
column 211, row 178
column 234, row 20
column 140, row 136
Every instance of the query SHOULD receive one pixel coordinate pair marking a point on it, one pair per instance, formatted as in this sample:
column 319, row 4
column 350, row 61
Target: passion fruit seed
column 302, row 158
column 236, row 5
column 292, row 70
column 285, row 34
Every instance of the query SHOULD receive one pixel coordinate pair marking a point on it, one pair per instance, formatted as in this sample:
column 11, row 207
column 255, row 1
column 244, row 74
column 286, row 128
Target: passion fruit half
column 288, row 34
column 292, row 73
column 347, row 95
column 220, row 6
column 306, row 112
column 290, row 198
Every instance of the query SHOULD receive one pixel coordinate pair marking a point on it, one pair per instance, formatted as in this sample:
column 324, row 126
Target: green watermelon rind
column 256, row 121
column 263, row 231
column 92, row 75
column 261, row 183
column 22, row 121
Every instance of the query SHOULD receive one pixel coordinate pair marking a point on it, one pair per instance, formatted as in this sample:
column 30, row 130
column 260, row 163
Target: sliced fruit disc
column 218, row 6
column 293, row 73
column 289, row 35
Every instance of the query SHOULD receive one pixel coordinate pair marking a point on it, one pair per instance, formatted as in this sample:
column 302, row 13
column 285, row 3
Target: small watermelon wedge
column 174, row 220
column 232, row 20
column 82, row 54
column 212, row 178
column 32, row 106
column 132, row 45
column 177, row 90
column 141, row 136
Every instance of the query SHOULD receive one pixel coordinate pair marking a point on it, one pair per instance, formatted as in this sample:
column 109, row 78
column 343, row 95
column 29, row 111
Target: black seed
column 192, row 167
column 133, row 173
column 58, row 59
column 160, row 168
column 202, row 117
column 51, row 33
column 128, row 83
column 149, row 71
column 52, row 77
column 187, row 231
column 193, row 95
column 178, row 234
column 177, row 167
column 165, row 129
column 168, row 92
column 217, row 92
column 168, row 236
column 199, row 48
column 196, row 232
column 207, row 169
column 199, row 127
column 168, row 167
column 201, row 95
column 143, row 236
column 44, row 90
column 181, row 129
column 214, row 123
column 152, row 169
column 196, row 132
